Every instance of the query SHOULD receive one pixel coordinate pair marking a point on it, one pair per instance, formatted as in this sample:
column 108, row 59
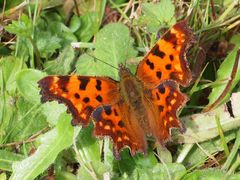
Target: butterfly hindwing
column 81, row 94
column 113, row 121
column 167, row 99
column 166, row 60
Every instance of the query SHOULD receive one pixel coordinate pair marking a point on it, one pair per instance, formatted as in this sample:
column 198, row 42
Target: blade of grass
column 184, row 152
column 233, row 152
column 220, row 130
column 234, row 167
column 228, row 86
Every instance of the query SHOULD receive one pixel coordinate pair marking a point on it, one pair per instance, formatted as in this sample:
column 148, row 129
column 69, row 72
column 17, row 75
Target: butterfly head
column 124, row 71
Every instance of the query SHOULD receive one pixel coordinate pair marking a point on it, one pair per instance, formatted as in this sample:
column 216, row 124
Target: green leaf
column 113, row 46
column 7, row 158
column 66, row 175
column 52, row 143
column 27, row 84
column 23, row 27
column 157, row 14
column 89, row 26
column 99, row 169
column 201, row 127
column 75, row 23
column 52, row 111
column 207, row 174
column 27, row 116
column 224, row 73
column 3, row 176
column 88, row 145
column 160, row 171
column 61, row 65
column 128, row 164
column 196, row 156
column 9, row 67
column 47, row 43
column 176, row 171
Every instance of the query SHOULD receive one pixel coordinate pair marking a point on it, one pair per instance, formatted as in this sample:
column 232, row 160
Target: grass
column 39, row 39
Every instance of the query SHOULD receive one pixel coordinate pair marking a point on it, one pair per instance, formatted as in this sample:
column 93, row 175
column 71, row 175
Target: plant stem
column 220, row 131
column 37, row 53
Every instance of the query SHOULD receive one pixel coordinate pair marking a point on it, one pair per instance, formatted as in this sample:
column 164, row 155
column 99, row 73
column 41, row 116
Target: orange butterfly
column 138, row 105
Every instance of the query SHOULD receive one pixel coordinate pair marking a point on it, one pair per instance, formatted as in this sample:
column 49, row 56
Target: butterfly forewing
column 81, row 94
column 166, row 60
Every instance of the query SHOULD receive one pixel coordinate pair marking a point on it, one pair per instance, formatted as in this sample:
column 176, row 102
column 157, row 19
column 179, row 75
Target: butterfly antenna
column 102, row 61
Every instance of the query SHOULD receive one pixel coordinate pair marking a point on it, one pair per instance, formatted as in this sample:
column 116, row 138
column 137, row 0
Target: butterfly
column 139, row 105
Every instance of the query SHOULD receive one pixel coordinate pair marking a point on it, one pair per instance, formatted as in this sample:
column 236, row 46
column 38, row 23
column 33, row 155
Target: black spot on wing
column 171, row 57
column 115, row 112
column 168, row 66
column 159, row 74
column 150, row 64
column 83, row 83
column 62, row 83
column 99, row 98
column 161, row 89
column 97, row 114
column 170, row 37
column 160, row 108
column 121, row 124
column 98, row 85
column 108, row 110
column 157, row 52
column 86, row 99
column 77, row 96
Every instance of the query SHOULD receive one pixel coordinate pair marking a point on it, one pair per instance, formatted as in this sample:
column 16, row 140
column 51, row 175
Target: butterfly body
column 137, row 106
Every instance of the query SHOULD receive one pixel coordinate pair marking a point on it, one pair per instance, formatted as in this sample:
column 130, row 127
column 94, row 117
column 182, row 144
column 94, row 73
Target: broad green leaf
column 89, row 152
column 128, row 164
column 7, row 158
column 88, row 145
column 224, row 73
column 27, row 84
column 75, row 23
column 89, row 26
column 62, row 64
column 52, row 143
column 157, row 14
column 196, row 156
column 63, row 32
column 91, row 18
column 9, row 67
column 113, row 46
column 23, row 27
column 201, row 127
column 47, row 43
column 160, row 171
column 97, row 166
column 52, row 111
column 207, row 174
column 66, row 176
column 29, row 121
column 3, row 176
